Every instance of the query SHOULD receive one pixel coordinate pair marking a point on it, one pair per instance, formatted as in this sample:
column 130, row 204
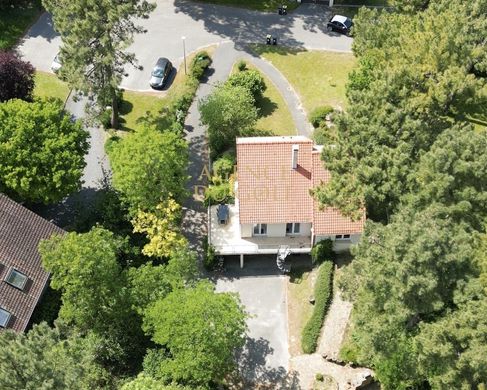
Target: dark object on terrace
column 268, row 39
column 22, row 278
column 282, row 9
column 274, row 41
column 223, row 214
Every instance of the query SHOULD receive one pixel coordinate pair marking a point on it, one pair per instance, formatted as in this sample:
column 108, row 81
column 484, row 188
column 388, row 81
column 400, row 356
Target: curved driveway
column 202, row 24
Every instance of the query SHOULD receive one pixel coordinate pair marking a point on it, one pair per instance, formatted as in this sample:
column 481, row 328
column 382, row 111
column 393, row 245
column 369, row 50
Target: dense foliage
column 405, row 147
column 41, row 151
column 403, row 95
column 149, row 166
column 16, row 77
column 323, row 295
column 250, row 79
column 200, row 331
column 322, row 250
column 227, row 112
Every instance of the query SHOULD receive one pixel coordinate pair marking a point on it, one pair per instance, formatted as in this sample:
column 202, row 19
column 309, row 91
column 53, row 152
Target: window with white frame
column 4, row 317
column 16, row 278
column 293, row 228
column 260, row 229
column 342, row 237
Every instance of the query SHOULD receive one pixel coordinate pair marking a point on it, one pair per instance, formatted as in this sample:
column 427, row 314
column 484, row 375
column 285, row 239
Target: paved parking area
column 263, row 292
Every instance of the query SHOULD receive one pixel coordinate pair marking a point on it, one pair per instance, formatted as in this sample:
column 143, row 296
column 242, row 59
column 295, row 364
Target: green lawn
column 48, row 85
column 274, row 113
column 259, row 5
column 319, row 77
column 15, row 21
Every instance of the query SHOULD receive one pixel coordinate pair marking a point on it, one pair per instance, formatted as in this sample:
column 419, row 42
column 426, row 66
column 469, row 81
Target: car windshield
column 158, row 72
column 348, row 23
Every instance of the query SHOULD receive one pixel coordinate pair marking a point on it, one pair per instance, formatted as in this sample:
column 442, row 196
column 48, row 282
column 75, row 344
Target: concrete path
column 334, row 327
column 262, row 290
column 202, row 24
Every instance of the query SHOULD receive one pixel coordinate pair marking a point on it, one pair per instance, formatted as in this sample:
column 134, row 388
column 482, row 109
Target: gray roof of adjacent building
column 22, row 277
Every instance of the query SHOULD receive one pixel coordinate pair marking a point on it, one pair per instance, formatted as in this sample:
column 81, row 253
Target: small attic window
column 16, row 279
column 4, row 318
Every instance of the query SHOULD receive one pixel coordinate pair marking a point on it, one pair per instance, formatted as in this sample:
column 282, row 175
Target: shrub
column 209, row 256
column 252, row 80
column 221, row 193
column 323, row 294
column 199, row 64
column 224, row 166
column 322, row 251
column 320, row 134
column 242, row 65
column 319, row 377
column 16, row 77
column 318, row 115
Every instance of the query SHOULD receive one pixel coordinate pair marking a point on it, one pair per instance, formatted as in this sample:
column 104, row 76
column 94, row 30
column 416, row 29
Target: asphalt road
column 202, row 24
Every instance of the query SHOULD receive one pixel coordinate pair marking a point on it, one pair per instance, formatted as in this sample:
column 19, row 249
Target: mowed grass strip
column 48, row 85
column 319, row 77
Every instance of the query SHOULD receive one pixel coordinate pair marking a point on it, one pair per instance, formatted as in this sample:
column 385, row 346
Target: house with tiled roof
column 22, row 278
column 273, row 202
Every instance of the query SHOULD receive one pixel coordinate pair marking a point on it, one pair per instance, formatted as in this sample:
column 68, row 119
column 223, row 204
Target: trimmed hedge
column 318, row 115
column 199, row 64
column 323, row 295
column 322, row 250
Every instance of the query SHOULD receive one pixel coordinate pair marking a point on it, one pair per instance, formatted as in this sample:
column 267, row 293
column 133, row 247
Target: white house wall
column 246, row 230
column 341, row 245
column 275, row 230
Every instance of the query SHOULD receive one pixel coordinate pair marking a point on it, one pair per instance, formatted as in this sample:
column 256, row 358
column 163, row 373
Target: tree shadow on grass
column 266, row 106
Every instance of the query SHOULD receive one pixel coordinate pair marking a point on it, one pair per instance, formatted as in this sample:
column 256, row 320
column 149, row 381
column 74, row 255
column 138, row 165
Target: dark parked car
column 160, row 73
column 341, row 24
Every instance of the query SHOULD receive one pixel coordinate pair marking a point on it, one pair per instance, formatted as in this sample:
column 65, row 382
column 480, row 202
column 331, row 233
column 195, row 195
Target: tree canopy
column 200, row 329
column 227, row 112
column 41, row 151
column 403, row 95
column 149, row 166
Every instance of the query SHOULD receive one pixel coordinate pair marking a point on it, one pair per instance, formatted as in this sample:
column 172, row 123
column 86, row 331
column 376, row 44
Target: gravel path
column 334, row 327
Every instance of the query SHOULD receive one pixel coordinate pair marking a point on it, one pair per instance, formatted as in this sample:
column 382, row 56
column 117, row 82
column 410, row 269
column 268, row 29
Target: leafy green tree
column 85, row 268
column 149, row 283
column 149, row 166
column 41, row 151
column 44, row 358
column 201, row 331
column 95, row 295
column 144, row 382
column 95, row 34
column 227, row 112
column 251, row 79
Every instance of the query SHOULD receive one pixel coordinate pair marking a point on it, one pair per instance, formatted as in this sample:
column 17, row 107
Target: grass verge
column 319, row 77
column 274, row 114
column 48, row 85
column 300, row 289
column 15, row 21
column 323, row 295
column 259, row 5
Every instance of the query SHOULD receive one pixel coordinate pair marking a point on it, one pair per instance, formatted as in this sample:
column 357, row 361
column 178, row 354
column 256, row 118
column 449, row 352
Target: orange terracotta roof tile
column 271, row 191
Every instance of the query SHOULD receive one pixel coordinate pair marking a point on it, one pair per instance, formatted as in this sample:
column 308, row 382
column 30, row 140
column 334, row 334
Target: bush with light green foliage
column 318, row 115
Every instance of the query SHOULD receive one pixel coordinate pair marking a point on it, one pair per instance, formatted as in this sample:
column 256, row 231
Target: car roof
column 339, row 18
column 161, row 62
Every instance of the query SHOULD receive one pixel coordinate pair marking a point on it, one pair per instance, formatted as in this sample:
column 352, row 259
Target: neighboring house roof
column 270, row 191
column 21, row 230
